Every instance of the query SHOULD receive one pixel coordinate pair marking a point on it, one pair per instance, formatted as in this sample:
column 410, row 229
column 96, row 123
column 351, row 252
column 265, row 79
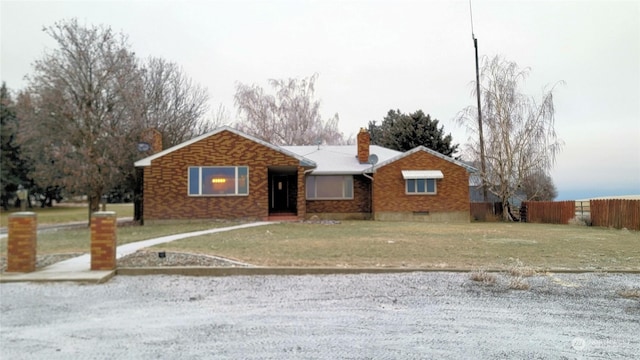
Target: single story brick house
column 226, row 174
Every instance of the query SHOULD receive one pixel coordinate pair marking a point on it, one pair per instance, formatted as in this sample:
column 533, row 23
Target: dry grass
column 397, row 244
column 63, row 213
column 518, row 283
column 77, row 240
column 629, row 293
column 518, row 269
column 483, row 277
column 390, row 244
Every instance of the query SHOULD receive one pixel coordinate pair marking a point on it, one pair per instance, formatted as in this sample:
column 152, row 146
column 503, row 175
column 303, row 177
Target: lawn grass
column 397, row 244
column 64, row 213
column 385, row 244
column 77, row 240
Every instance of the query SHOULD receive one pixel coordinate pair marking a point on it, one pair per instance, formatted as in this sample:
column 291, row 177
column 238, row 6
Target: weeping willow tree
column 519, row 130
column 289, row 116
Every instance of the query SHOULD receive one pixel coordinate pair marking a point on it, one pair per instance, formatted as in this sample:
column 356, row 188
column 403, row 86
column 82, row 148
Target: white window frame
column 412, row 177
column 347, row 187
column 193, row 169
column 426, row 187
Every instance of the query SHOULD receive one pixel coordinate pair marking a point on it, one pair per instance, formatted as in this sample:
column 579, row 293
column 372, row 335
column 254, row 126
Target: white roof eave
column 304, row 162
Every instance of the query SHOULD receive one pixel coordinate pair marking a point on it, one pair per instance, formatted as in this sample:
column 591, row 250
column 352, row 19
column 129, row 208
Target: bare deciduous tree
column 89, row 102
column 173, row 103
column 519, row 133
column 539, row 187
column 291, row 116
column 78, row 116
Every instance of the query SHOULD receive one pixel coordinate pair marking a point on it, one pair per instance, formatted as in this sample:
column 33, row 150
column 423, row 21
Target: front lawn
column 398, row 244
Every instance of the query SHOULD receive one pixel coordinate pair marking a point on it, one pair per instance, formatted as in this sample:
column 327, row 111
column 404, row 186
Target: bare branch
column 290, row 117
column 520, row 139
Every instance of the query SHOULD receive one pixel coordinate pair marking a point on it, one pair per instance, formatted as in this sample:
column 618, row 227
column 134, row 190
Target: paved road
column 394, row 316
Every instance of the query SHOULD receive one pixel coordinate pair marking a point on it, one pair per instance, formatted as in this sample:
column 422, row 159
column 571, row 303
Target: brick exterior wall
column 103, row 240
column 21, row 242
column 452, row 191
column 361, row 202
column 166, row 180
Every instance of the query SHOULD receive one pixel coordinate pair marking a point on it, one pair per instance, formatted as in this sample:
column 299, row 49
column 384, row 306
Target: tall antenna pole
column 480, row 132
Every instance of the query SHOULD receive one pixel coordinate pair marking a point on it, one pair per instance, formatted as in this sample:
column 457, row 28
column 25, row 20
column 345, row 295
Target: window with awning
column 421, row 181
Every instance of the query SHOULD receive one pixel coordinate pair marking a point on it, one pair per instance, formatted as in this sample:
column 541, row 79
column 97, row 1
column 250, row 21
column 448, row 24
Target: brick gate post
column 103, row 240
column 21, row 244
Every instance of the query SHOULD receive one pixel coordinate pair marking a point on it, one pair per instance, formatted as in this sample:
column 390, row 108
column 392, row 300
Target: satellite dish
column 143, row 146
column 373, row 159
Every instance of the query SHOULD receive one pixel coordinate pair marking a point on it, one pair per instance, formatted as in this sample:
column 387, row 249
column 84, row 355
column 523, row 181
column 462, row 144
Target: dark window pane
column 243, row 180
column 411, row 186
column 194, row 181
column 431, row 185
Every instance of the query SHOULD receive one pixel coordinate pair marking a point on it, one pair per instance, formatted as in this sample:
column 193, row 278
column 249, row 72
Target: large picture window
column 329, row 187
column 218, row 180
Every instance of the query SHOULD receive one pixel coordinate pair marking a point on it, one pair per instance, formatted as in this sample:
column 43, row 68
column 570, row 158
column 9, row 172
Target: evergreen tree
column 14, row 168
column 404, row 132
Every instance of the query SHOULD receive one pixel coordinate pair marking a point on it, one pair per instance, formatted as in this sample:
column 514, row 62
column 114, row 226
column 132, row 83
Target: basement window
column 218, row 180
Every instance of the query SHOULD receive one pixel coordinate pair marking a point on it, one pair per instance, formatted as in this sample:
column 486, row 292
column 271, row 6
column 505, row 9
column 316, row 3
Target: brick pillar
column 301, row 206
column 21, row 244
column 103, row 240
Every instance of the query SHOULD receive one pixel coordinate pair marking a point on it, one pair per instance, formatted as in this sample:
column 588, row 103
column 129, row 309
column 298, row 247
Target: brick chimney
column 364, row 140
column 154, row 138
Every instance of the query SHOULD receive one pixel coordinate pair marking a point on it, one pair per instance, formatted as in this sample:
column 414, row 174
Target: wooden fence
column 548, row 212
column 616, row 213
column 486, row 211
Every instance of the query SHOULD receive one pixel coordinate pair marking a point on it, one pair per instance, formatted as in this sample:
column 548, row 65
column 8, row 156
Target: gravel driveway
column 393, row 316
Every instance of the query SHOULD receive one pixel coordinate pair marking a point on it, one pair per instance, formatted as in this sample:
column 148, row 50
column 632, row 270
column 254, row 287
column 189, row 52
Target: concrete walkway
column 79, row 268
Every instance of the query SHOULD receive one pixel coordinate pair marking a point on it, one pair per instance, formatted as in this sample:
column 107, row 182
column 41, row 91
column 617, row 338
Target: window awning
column 422, row 174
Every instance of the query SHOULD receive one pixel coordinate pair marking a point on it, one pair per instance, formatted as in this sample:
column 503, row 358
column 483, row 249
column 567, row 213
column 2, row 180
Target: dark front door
column 280, row 193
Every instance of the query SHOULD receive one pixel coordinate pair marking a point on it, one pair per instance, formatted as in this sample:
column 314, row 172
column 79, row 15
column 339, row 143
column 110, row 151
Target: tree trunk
column 506, row 211
column 94, row 205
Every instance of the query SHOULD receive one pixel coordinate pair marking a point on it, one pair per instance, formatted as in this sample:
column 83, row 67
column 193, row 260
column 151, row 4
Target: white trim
column 422, row 174
column 426, row 187
column 374, row 168
column 147, row 161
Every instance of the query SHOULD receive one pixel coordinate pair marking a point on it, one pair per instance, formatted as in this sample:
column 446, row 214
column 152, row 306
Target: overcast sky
column 372, row 56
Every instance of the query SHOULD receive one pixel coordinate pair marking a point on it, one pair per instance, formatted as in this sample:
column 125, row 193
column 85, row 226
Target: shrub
column 518, row 283
column 581, row 220
column 483, row 277
column 518, row 269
